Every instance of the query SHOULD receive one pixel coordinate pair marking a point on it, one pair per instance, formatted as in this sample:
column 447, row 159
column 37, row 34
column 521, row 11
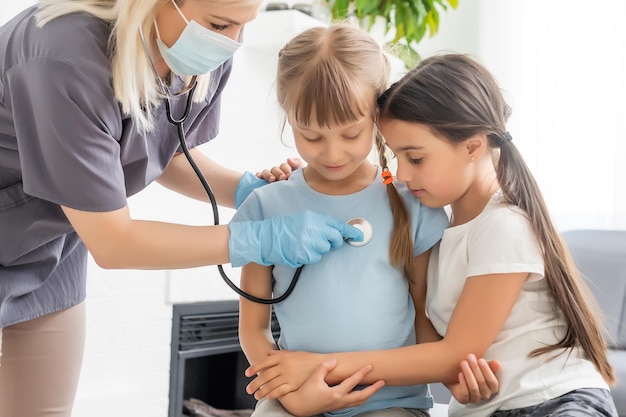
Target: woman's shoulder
column 78, row 39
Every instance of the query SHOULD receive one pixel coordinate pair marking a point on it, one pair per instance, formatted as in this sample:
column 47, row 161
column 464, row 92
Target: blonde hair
column 333, row 75
column 134, row 83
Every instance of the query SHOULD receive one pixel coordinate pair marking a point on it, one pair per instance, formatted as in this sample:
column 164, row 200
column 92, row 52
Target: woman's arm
column 116, row 241
column 179, row 176
column 255, row 332
column 483, row 308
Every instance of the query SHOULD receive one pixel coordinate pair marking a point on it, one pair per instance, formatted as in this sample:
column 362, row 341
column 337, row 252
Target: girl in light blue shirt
column 361, row 297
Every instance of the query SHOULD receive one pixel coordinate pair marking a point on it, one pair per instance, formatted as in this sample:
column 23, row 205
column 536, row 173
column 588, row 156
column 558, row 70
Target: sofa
column 601, row 257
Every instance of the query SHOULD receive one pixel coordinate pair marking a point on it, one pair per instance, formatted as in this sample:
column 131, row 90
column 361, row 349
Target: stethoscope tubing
column 178, row 123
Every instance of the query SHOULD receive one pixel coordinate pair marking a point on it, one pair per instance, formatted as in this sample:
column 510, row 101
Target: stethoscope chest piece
column 365, row 227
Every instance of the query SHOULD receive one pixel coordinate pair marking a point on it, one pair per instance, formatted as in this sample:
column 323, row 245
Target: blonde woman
column 83, row 126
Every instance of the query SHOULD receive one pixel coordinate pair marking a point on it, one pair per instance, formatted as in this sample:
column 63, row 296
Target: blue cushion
column 601, row 257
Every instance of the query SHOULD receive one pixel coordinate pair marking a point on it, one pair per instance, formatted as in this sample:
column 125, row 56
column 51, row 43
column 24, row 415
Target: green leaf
column 412, row 22
column 418, row 34
column 370, row 8
column 433, row 23
column 340, row 9
column 408, row 55
column 420, row 8
column 400, row 32
column 411, row 19
column 387, row 7
column 400, row 28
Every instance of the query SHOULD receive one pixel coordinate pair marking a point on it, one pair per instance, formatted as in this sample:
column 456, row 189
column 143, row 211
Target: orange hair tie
column 387, row 176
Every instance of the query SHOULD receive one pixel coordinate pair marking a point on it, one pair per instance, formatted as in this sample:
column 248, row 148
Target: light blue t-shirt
column 353, row 299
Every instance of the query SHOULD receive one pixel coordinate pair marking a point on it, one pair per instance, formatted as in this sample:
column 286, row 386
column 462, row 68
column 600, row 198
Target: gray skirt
column 586, row 402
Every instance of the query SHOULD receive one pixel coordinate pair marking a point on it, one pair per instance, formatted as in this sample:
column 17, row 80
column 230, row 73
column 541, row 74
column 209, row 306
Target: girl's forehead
column 312, row 123
column 312, row 98
column 333, row 112
column 406, row 135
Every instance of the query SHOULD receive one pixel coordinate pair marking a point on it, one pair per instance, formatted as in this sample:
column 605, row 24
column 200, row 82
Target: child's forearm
column 435, row 362
column 256, row 344
column 255, row 333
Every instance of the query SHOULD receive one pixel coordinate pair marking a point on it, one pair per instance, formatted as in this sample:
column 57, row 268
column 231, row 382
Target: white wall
column 561, row 70
column 9, row 8
column 564, row 72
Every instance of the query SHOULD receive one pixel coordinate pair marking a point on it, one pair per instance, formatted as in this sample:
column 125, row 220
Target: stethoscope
column 359, row 223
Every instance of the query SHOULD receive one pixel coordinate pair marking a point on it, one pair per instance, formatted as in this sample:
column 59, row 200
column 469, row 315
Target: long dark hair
column 458, row 98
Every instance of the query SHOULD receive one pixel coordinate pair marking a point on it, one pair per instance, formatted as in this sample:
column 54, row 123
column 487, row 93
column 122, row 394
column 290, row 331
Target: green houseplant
column 407, row 21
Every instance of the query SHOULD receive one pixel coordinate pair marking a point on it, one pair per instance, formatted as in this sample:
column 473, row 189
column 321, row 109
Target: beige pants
column 40, row 363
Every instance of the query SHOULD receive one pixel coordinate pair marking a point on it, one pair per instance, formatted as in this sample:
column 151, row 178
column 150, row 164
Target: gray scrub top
column 65, row 141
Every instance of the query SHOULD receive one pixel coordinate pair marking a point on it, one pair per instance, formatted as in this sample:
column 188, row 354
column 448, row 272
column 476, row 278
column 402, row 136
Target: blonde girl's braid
column 401, row 248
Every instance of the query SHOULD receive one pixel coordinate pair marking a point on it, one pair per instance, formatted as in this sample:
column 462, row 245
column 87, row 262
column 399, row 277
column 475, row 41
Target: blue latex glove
column 293, row 240
column 248, row 182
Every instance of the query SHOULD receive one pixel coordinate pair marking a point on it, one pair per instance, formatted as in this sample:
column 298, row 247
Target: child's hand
column 281, row 372
column 477, row 380
column 281, row 172
column 316, row 396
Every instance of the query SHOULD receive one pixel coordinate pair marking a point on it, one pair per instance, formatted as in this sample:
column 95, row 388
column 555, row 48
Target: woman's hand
column 316, row 396
column 477, row 380
column 294, row 240
column 249, row 182
column 281, row 172
column 281, row 372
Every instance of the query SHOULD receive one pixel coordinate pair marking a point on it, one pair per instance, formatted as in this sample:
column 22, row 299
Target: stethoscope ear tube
column 216, row 220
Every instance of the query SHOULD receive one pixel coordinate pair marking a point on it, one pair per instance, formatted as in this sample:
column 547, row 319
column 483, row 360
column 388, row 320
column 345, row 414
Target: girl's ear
column 476, row 146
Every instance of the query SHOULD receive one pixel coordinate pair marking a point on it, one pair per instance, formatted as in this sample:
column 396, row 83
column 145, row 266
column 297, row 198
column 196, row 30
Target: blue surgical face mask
column 197, row 50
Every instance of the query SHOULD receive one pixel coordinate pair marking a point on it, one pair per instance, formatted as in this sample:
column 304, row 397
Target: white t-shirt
column 501, row 240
